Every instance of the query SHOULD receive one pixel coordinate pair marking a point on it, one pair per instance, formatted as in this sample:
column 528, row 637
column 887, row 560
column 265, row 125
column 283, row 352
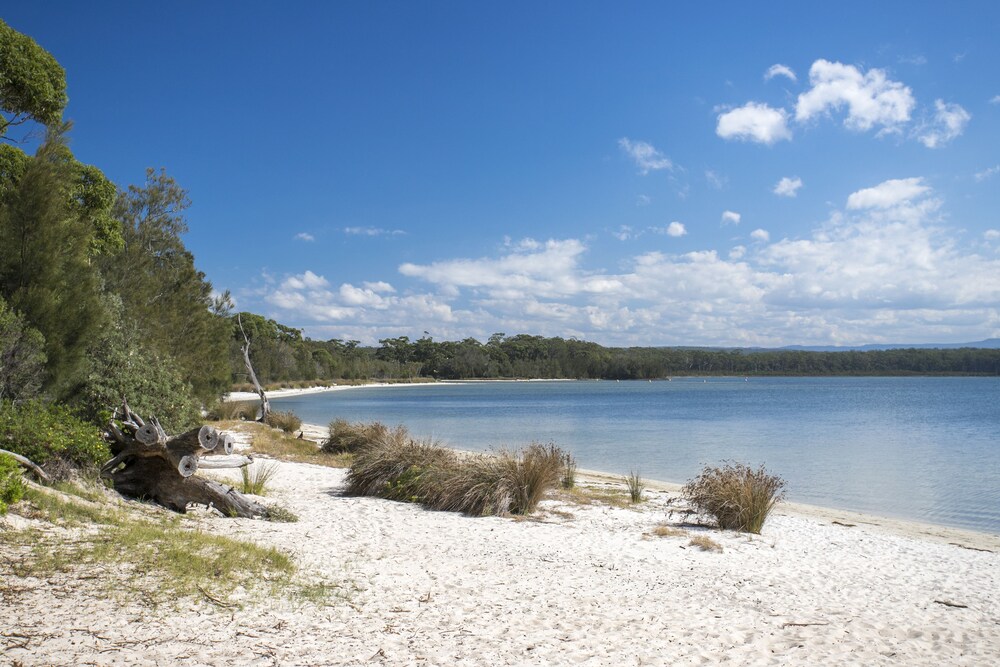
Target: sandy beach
column 577, row 583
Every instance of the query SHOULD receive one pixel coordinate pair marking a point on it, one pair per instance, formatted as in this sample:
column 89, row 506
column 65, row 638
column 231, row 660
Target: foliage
column 46, row 272
column 287, row 421
column 22, row 356
column 396, row 467
column 350, row 437
column 635, row 486
column 568, row 480
column 11, row 482
column 32, row 83
column 123, row 366
column 50, row 433
column 161, row 290
column 255, row 481
column 737, row 496
column 241, row 410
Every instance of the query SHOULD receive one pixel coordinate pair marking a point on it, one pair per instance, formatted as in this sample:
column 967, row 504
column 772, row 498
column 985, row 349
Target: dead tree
column 150, row 464
column 265, row 407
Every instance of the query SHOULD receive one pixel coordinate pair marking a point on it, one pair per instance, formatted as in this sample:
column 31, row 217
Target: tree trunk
column 150, row 464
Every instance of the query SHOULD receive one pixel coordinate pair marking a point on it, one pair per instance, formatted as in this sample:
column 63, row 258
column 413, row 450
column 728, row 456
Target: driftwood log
column 150, row 464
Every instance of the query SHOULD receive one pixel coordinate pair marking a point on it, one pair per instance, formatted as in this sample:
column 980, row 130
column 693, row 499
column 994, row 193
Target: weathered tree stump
column 151, row 465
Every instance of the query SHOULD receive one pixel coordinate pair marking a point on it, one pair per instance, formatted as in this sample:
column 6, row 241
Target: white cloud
column 949, row 122
column 645, row 155
column 888, row 194
column 372, row 231
column 307, row 280
column 779, row 70
column 715, row 180
column 643, row 200
column 992, row 235
column 788, row 187
column 675, row 229
column 987, row 173
column 754, row 122
column 917, row 59
column 737, row 252
column 305, row 236
column 731, row 217
column 871, row 98
column 760, row 235
column 995, row 99
column 624, row 233
column 379, row 286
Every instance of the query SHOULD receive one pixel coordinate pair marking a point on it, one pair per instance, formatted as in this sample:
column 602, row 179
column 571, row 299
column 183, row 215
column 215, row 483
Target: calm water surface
column 926, row 449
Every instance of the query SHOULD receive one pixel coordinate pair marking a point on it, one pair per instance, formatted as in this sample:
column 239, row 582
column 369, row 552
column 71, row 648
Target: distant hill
column 988, row 344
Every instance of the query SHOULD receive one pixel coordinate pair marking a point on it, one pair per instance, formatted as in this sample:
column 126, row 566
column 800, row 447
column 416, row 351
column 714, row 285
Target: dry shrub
column 347, row 437
column 397, row 467
column 737, row 496
column 705, row 543
column 236, row 410
column 663, row 530
column 288, row 422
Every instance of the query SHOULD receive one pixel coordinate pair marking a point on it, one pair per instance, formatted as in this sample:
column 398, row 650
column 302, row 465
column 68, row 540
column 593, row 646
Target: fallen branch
column 27, row 463
column 965, row 546
column 948, row 603
column 800, row 625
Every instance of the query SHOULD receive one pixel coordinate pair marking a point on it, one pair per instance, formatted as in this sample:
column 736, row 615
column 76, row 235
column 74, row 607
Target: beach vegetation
column 665, row 530
column 635, row 486
column 737, row 496
column 234, row 410
column 255, row 478
column 22, row 356
column 397, row 467
column 568, row 480
column 50, row 435
column 11, row 482
column 705, row 543
column 349, row 437
column 287, row 420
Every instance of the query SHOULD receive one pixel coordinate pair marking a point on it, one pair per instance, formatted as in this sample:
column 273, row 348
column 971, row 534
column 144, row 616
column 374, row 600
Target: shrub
column 397, row 467
column 245, row 410
column 736, row 495
column 568, row 480
column 286, row 421
column 50, row 433
column 11, row 482
column 256, row 481
column 635, row 486
column 347, row 437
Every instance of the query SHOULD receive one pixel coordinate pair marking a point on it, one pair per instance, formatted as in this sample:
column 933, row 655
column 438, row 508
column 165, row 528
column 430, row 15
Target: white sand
column 575, row 585
column 279, row 393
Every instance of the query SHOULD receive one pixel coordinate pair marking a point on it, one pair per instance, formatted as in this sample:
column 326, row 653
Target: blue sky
column 628, row 173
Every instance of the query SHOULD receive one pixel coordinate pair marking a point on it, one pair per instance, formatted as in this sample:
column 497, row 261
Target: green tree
column 22, row 356
column 32, row 83
column 45, row 268
column 162, row 292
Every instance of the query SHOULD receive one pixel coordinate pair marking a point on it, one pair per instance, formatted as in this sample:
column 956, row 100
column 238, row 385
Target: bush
column 50, row 433
column 286, row 421
column 737, row 496
column 242, row 410
column 11, row 482
column 346, row 437
column 392, row 465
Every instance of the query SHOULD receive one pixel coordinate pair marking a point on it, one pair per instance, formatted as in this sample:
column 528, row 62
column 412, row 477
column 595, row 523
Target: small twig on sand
column 845, row 525
column 948, row 603
column 800, row 625
column 215, row 600
column 965, row 546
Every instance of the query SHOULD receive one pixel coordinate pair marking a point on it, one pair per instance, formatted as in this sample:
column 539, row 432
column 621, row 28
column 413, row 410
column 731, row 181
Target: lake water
column 926, row 449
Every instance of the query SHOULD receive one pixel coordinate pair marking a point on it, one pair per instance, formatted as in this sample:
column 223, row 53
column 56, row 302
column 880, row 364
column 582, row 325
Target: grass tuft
column 255, row 481
column 705, row 543
column 635, row 486
column 288, row 421
column 235, row 410
column 568, row 480
column 663, row 530
column 347, row 437
column 737, row 496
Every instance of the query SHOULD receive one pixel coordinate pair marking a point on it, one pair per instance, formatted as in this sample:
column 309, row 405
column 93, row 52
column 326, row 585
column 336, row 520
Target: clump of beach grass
column 235, row 410
column 254, row 479
column 705, row 543
column 663, row 530
column 737, row 496
column 395, row 466
column 568, row 480
column 635, row 485
column 288, row 421
column 348, row 437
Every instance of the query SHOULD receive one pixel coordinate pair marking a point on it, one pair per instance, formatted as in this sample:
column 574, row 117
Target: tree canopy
column 32, row 83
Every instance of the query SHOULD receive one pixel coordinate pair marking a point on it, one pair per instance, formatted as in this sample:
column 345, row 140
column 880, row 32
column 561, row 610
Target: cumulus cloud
column 304, row 236
column 788, row 187
column 307, row 280
column 779, row 70
column 675, row 229
column 992, row 235
column 372, row 231
column 986, row 173
column 756, row 122
column 871, row 98
column 888, row 193
column 731, row 217
column 760, row 235
column 949, row 122
column 645, row 155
